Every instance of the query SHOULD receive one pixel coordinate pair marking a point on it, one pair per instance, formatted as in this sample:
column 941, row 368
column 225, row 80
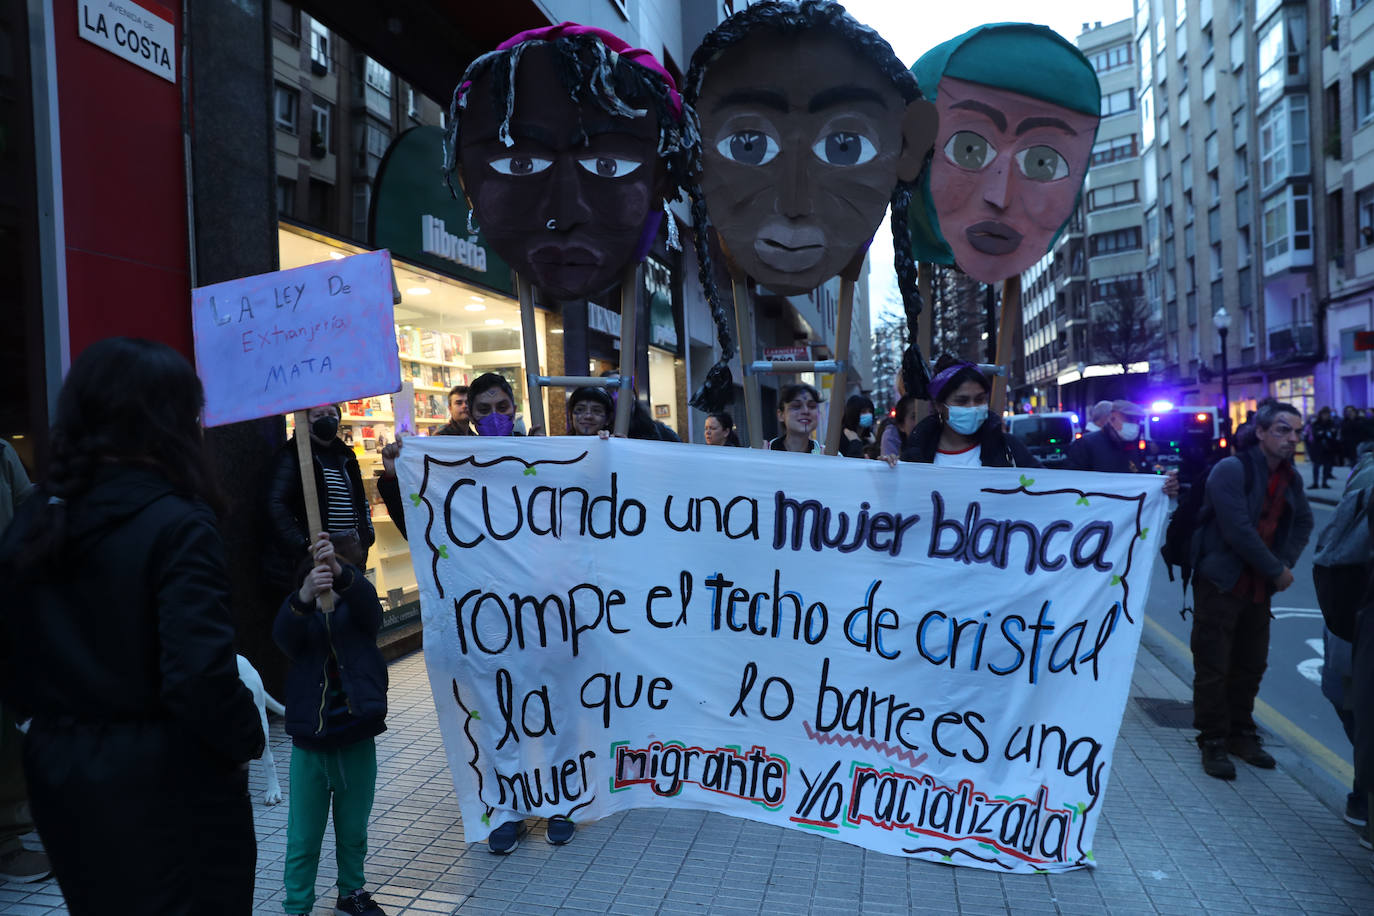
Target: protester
column 115, row 637
column 492, row 405
column 1322, row 437
column 856, row 427
column 1255, row 524
column 1351, row 435
column 959, row 432
column 590, row 412
column 1245, row 437
column 719, row 429
column 335, row 708
column 17, row 863
column 1362, row 699
column 894, row 430
column 344, row 511
column 1098, row 416
column 798, row 413
column 458, row 424
column 1115, row 448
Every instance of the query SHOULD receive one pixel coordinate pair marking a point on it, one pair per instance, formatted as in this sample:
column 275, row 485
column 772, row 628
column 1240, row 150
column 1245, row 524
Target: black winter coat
column 136, row 627
column 351, row 631
column 999, row 449
column 286, row 510
column 1103, row 450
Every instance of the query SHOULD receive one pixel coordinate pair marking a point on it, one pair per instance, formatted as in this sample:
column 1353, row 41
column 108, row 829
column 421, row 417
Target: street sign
column 138, row 35
column 1364, row 340
column 791, row 354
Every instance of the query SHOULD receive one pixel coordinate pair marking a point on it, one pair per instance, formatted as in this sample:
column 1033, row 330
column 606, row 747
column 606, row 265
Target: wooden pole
column 305, row 455
column 839, row 379
column 629, row 320
column 529, row 340
column 1006, row 338
column 744, row 336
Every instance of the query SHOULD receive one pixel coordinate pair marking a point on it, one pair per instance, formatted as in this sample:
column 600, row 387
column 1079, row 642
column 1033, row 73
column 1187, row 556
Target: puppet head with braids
column 811, row 126
column 566, row 141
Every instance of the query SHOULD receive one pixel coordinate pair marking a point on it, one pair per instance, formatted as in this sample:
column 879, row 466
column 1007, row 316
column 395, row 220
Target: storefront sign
column 292, row 339
column 928, row 662
column 140, row 36
column 658, row 285
column 603, row 319
column 418, row 220
column 795, row 354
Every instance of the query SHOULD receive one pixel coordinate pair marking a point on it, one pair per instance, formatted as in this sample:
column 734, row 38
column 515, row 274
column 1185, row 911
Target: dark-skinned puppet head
column 809, row 123
column 1019, row 108
column 566, row 142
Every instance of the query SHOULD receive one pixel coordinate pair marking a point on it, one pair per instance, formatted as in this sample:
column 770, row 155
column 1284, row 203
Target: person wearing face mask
column 1115, row 448
column 857, row 432
column 344, row 511
column 491, row 406
column 959, row 432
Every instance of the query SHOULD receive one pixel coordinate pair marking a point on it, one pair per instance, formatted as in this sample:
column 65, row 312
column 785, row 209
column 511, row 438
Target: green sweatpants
column 349, row 774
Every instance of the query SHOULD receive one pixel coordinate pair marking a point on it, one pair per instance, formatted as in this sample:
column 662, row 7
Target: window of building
column 1119, row 286
column 1181, row 36
column 1210, row 149
column 1247, row 327
column 1276, row 226
column 1241, row 173
column 412, row 103
column 1147, row 117
column 319, row 46
column 1113, row 150
column 1116, row 103
column 1213, row 188
column 1111, row 58
column 287, row 105
column 1211, row 108
column 1288, row 221
column 1238, row 48
column 1209, row 80
column 1192, row 309
column 286, row 23
column 1364, row 217
column 1264, row 7
column 1185, row 114
column 1146, row 60
column 321, row 128
column 376, row 88
column 1270, row 60
column 1364, row 96
column 1114, row 242
column 286, row 197
column 1273, row 145
column 1112, row 195
column 1216, row 260
column 321, row 203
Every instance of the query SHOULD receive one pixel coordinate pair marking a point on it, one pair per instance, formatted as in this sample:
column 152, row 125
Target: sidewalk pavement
column 1329, row 496
column 1172, row 840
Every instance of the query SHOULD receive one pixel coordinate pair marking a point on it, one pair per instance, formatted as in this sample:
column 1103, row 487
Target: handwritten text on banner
column 924, row 661
column 284, row 341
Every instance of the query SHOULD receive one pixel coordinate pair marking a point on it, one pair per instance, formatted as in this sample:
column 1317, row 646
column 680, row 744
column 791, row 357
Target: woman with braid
column 810, row 127
column 116, row 639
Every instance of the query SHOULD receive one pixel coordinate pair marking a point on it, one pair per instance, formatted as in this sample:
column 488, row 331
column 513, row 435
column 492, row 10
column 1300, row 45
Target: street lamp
column 1082, row 388
column 1222, row 322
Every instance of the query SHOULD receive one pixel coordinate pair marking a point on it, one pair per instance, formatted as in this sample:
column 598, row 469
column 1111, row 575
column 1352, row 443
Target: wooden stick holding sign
column 1006, row 337
column 305, row 453
column 629, row 320
column 839, row 381
column 744, row 339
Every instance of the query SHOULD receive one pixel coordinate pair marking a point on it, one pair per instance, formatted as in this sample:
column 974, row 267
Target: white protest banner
column 929, row 662
column 282, row 341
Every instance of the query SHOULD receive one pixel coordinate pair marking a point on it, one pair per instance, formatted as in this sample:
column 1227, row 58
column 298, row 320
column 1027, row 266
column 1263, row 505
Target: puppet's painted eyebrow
column 766, row 98
column 992, row 113
column 839, row 95
column 526, row 130
column 1032, row 123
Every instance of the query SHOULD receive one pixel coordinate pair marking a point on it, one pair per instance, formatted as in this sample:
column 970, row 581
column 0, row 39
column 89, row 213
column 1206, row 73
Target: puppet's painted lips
column 564, row 268
column 790, row 249
column 992, row 237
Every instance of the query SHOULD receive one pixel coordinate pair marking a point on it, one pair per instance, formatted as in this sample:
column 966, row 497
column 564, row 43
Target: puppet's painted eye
column 609, row 167
column 844, row 148
column 969, row 150
column 1042, row 163
column 750, row 147
column 520, row 165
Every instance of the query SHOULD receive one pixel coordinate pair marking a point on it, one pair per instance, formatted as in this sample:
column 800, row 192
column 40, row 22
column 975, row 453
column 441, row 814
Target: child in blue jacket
column 335, row 708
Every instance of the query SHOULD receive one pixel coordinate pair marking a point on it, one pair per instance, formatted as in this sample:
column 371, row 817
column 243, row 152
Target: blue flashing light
column 1162, row 406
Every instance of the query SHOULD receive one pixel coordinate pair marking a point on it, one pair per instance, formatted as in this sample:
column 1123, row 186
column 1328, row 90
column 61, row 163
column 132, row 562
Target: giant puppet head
column 1019, row 108
column 566, row 141
column 808, row 124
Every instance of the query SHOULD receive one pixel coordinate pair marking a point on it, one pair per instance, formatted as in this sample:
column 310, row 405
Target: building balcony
column 1292, row 340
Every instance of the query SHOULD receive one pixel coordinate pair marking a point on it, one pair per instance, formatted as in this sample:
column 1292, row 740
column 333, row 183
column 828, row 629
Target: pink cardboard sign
column 278, row 342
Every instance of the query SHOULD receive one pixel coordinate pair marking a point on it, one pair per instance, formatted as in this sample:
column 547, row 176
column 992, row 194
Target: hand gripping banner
column 928, row 662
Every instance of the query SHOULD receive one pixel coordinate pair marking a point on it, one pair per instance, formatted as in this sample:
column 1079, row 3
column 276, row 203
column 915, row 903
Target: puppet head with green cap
column 1019, row 107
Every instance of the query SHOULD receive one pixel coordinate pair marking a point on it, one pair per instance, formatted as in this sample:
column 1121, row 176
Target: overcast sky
column 913, row 27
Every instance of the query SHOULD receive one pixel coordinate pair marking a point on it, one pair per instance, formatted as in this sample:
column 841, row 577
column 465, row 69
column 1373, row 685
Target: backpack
column 1341, row 562
column 1191, row 516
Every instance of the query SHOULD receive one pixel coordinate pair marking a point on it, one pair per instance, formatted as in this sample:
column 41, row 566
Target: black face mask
column 325, row 428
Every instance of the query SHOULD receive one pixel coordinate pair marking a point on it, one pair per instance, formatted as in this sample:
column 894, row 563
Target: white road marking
column 1282, row 612
column 1312, row 668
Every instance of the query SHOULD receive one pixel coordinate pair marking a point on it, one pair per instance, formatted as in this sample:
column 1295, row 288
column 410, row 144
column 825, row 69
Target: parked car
column 1047, row 435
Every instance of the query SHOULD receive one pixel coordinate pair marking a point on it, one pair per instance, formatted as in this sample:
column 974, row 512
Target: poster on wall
column 928, row 662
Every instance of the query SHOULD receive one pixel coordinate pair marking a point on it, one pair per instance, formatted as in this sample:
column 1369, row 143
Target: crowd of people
column 140, row 730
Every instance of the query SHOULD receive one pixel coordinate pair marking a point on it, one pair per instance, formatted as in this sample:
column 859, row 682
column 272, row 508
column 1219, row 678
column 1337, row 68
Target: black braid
column 915, row 372
column 782, row 18
column 718, row 388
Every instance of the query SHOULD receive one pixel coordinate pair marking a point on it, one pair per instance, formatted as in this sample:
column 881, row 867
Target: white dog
column 253, row 681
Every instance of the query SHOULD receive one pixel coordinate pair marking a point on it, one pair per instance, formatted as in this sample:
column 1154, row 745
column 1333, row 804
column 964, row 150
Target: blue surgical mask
column 865, row 421
column 967, row 420
column 495, row 424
